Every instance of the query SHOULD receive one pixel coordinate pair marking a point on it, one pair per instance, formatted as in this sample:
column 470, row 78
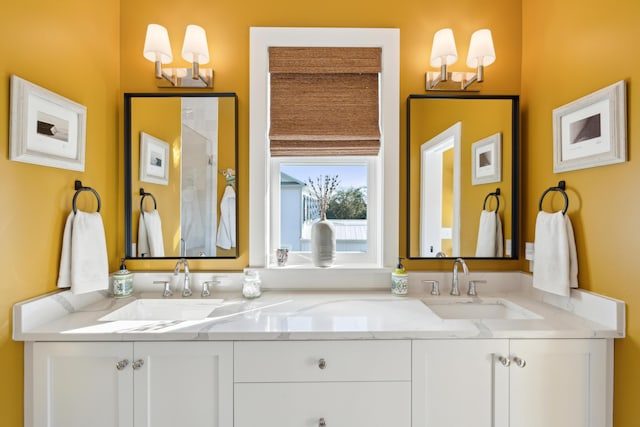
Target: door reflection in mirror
column 440, row 194
column 443, row 202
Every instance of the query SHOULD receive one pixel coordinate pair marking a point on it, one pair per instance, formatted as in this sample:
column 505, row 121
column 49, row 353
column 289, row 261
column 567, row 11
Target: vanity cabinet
column 342, row 383
column 511, row 383
column 318, row 383
column 123, row 384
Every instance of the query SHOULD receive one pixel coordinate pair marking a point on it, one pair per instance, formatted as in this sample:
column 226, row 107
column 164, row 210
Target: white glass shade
column 481, row 50
column 195, row 48
column 443, row 49
column 156, row 44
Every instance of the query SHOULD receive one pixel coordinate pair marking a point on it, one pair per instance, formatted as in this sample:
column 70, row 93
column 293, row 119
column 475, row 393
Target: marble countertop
column 310, row 315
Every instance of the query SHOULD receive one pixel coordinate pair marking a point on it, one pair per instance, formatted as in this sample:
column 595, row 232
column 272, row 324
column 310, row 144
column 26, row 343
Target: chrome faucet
column 186, row 291
column 455, row 289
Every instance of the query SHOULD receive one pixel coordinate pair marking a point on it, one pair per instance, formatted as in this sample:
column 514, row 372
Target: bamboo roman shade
column 324, row 101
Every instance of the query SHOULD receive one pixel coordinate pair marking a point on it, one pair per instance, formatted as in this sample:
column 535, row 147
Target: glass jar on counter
column 251, row 285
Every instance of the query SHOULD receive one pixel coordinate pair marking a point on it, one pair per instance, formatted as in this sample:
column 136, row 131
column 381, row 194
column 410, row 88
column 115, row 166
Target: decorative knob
column 504, row 361
column 520, row 362
column 137, row 364
column 321, row 422
column 322, row 364
column 121, row 364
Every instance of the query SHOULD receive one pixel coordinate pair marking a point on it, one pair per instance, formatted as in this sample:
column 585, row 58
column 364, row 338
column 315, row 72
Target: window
column 355, row 211
column 382, row 170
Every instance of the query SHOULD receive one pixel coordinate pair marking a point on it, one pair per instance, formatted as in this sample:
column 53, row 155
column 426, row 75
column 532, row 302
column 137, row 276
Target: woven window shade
column 324, row 101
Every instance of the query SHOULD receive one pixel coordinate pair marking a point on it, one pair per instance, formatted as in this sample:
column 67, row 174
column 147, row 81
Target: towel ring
column 560, row 188
column 495, row 194
column 80, row 188
column 143, row 194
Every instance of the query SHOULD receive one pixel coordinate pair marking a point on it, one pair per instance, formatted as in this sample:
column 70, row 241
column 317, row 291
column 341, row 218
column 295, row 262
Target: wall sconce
column 195, row 49
column 444, row 53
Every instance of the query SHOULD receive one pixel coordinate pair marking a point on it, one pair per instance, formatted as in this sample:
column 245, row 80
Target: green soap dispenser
column 399, row 280
column 122, row 281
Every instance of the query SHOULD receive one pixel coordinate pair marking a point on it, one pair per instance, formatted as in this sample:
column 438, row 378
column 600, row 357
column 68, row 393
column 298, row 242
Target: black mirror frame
column 128, row 204
column 515, row 164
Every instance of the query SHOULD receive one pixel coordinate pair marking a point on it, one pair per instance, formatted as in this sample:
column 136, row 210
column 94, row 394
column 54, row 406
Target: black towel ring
column 561, row 189
column 143, row 194
column 496, row 194
column 80, row 188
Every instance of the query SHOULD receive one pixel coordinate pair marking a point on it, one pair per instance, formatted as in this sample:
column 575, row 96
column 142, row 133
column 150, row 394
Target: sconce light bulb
column 195, row 48
column 443, row 50
column 481, row 50
column 157, row 47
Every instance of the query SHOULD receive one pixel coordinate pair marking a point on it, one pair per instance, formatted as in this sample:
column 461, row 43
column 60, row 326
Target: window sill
column 340, row 277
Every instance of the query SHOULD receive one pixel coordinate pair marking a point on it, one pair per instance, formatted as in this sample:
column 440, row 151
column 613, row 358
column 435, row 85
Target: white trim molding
column 261, row 38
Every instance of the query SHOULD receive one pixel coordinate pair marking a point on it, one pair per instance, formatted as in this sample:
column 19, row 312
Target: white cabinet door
column 341, row 404
column 563, row 383
column 79, row 385
column 460, row 383
column 183, row 384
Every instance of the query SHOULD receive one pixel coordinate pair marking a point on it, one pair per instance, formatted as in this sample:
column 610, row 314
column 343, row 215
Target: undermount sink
column 164, row 309
column 468, row 308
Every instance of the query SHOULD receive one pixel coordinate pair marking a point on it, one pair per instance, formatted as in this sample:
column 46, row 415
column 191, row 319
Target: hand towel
column 64, row 274
column 153, row 226
column 84, row 264
column 226, row 238
column 143, row 241
column 555, row 261
column 489, row 242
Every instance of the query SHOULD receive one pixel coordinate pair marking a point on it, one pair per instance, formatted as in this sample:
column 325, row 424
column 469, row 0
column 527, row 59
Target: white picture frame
column 591, row 131
column 45, row 128
column 154, row 160
column 486, row 160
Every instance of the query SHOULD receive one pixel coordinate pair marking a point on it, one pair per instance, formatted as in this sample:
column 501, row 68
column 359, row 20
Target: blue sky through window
column 349, row 175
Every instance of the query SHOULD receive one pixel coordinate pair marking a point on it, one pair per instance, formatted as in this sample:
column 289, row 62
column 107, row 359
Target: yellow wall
column 91, row 52
column 226, row 153
column 570, row 49
column 72, row 49
column 479, row 119
column 160, row 118
column 227, row 27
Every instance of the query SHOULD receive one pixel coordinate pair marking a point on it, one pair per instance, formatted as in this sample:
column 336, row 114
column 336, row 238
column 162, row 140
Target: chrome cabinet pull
column 322, row 364
column 322, row 423
column 504, row 361
column 121, row 364
column 137, row 364
column 520, row 362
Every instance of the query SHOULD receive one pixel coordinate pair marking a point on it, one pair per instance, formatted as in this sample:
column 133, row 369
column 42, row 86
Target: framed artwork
column 486, row 160
column 154, row 160
column 591, row 131
column 45, row 128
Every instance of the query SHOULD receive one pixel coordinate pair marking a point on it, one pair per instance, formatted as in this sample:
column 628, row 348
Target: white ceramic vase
column 323, row 243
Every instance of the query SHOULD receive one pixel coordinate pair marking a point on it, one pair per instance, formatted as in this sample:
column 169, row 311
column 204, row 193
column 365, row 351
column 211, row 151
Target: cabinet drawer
column 371, row 404
column 299, row 361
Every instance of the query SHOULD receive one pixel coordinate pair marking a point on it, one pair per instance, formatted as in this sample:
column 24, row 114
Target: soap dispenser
column 399, row 280
column 122, row 281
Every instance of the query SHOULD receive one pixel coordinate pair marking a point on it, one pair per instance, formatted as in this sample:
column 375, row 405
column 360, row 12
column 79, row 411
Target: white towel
column 84, row 265
column 555, row 261
column 143, row 241
column 153, row 226
column 489, row 242
column 227, row 227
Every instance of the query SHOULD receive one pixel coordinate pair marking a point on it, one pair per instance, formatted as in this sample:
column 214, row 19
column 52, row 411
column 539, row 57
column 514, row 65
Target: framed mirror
column 180, row 163
column 462, row 176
